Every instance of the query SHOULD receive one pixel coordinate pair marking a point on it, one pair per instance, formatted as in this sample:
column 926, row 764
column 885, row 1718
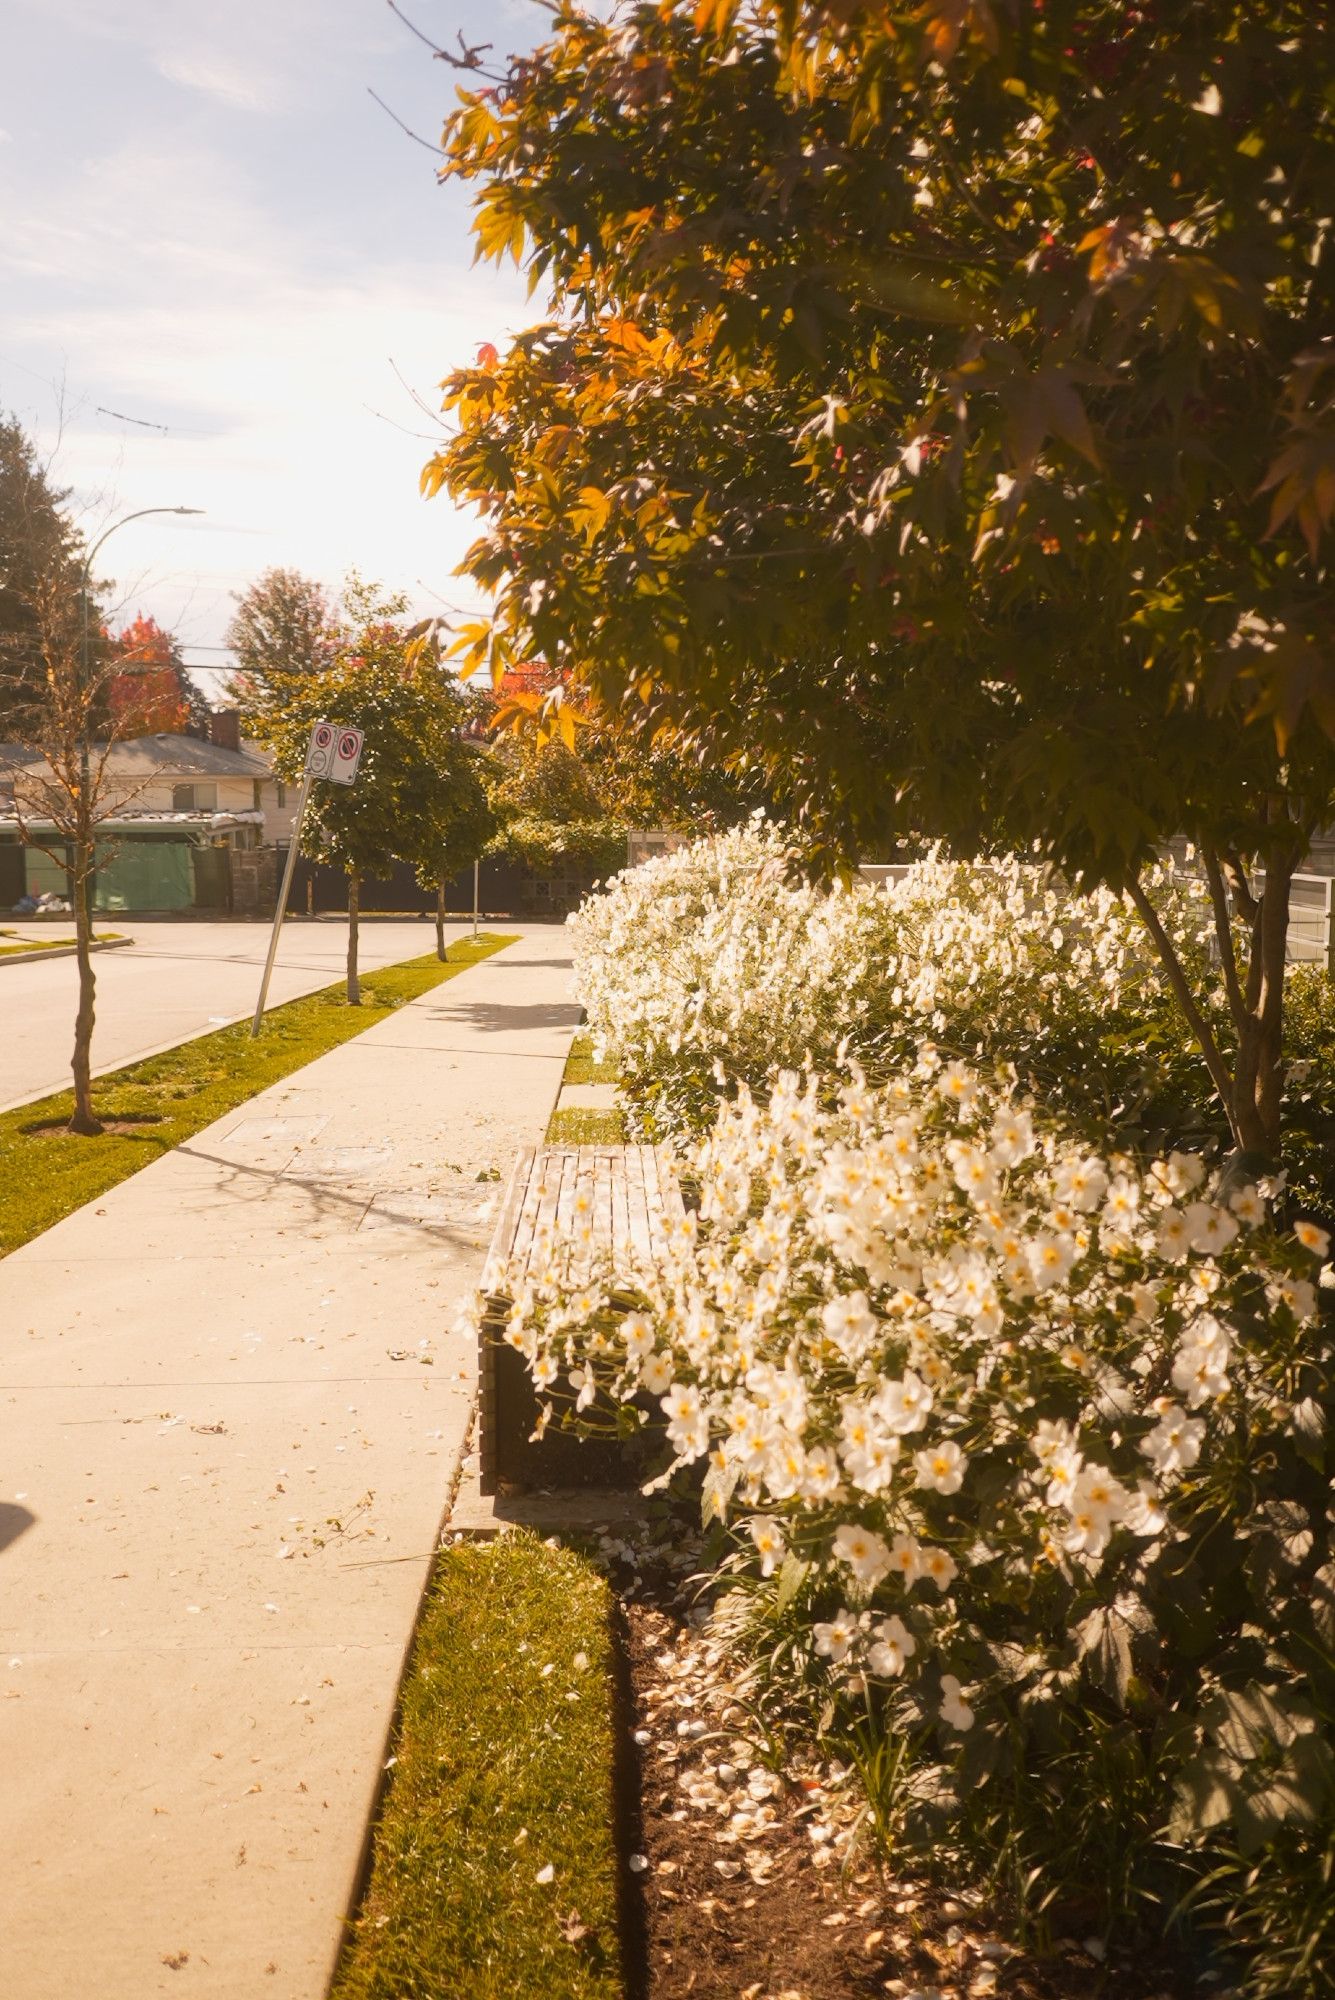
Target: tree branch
column 1223, row 925
column 416, row 137
column 469, row 56
column 1187, row 1001
column 1239, row 887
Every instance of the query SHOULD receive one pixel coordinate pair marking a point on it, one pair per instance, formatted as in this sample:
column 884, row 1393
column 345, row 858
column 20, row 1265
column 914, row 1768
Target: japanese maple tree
column 936, row 409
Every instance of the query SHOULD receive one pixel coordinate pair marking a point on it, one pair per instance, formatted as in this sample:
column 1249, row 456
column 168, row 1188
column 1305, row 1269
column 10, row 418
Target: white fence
column 1311, row 907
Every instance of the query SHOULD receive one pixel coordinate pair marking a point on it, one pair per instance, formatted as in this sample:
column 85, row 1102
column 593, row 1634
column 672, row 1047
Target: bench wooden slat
column 594, row 1199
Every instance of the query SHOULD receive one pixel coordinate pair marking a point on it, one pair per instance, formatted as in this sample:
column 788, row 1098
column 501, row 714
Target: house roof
column 141, row 757
column 131, row 822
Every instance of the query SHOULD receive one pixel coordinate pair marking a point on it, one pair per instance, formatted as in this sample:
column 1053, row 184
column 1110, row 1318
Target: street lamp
column 106, row 535
column 85, row 755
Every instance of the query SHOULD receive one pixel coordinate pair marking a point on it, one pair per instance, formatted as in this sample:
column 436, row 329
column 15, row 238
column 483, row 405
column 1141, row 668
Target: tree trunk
column 440, row 920
column 354, row 983
column 1260, row 1068
column 83, row 1121
column 1251, row 1092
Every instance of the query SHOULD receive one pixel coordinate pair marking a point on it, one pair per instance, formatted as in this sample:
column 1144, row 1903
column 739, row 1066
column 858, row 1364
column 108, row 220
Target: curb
column 59, row 951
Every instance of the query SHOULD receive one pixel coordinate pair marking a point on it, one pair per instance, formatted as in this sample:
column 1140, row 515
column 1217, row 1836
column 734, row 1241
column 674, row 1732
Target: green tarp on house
column 144, row 875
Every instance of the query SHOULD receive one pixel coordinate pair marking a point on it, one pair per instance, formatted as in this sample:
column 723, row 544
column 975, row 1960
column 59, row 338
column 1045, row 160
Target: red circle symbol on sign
column 347, row 747
column 324, row 736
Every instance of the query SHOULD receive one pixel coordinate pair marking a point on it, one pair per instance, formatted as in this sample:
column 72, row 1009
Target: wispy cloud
column 200, row 275
column 215, row 76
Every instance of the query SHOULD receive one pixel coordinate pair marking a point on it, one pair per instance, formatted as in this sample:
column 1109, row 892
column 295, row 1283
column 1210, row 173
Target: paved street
column 232, row 1408
column 180, row 979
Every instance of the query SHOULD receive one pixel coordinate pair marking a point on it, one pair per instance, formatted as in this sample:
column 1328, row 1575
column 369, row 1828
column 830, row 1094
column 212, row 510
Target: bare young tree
column 64, row 793
column 57, row 726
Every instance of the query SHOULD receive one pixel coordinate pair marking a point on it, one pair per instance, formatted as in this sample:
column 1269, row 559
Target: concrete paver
column 226, row 1454
column 175, row 981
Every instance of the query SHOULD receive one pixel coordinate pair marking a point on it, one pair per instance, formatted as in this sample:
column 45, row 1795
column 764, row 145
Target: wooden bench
column 583, row 1200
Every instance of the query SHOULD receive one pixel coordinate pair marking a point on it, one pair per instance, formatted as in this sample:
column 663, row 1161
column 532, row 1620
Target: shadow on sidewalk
column 493, row 1017
column 14, row 1521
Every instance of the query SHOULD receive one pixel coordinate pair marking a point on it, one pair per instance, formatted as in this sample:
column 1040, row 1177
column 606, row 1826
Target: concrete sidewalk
column 224, row 1458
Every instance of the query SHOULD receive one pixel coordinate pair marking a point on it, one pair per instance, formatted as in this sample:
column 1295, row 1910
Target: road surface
column 176, row 980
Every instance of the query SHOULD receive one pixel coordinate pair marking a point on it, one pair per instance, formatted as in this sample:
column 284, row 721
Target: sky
column 207, row 224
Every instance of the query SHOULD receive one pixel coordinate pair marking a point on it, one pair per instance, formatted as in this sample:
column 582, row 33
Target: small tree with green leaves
column 452, row 829
column 415, row 765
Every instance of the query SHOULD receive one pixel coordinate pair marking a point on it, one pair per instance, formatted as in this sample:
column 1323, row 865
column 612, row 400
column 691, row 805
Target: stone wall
column 254, row 880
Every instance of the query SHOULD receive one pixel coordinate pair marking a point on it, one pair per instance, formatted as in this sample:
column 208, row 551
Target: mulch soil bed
column 754, row 1884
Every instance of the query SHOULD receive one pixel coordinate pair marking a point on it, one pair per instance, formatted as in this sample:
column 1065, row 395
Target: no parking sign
column 334, row 753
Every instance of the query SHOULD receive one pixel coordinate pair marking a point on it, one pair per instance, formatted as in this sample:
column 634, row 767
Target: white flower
column 1200, row 1369
column 1145, row 1514
column 1248, row 1206
column 903, row 1406
column 1049, row 1439
column 820, row 1480
column 941, row 1468
column 835, row 1640
column 1012, row 1136
column 849, row 1323
column 869, row 1455
column 1083, row 1183
column 1050, row 1260
column 1123, row 1201
column 1209, row 1229
column 1062, row 1466
column 1096, row 1503
column 688, row 1425
column 938, row 1568
column 770, row 1544
column 906, row 1559
column 957, row 1086
column 1175, row 1442
column 585, row 1384
column 1294, row 1293
column 656, row 1373
column 1313, row 1239
column 891, row 1645
column 1182, row 1173
column 1173, row 1237
column 785, row 1468
column 954, row 1709
column 864, row 1553
column 637, row 1331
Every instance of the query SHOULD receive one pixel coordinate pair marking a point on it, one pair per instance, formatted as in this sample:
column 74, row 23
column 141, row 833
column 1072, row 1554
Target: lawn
column 579, row 1126
column 494, row 1871
column 582, row 1066
column 46, row 1172
column 9, row 944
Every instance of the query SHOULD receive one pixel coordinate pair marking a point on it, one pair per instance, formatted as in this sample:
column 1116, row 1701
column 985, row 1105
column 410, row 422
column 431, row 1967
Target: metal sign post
column 475, row 899
column 334, row 754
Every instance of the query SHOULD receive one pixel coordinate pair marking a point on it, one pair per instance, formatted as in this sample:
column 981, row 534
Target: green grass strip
column 575, row 1127
column 504, row 1769
column 51, row 944
column 46, row 1175
column 583, row 1067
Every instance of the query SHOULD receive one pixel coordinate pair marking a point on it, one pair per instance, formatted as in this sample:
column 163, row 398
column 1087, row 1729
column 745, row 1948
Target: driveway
column 178, row 980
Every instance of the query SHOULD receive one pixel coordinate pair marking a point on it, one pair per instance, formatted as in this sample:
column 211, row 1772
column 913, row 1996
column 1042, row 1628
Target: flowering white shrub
column 711, row 966
column 1000, row 1422
column 711, row 955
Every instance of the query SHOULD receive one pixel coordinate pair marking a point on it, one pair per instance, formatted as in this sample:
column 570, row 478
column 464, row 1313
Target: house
column 192, row 824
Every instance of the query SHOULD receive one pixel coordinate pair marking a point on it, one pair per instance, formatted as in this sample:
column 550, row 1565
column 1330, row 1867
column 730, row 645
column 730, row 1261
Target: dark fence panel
column 505, row 888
